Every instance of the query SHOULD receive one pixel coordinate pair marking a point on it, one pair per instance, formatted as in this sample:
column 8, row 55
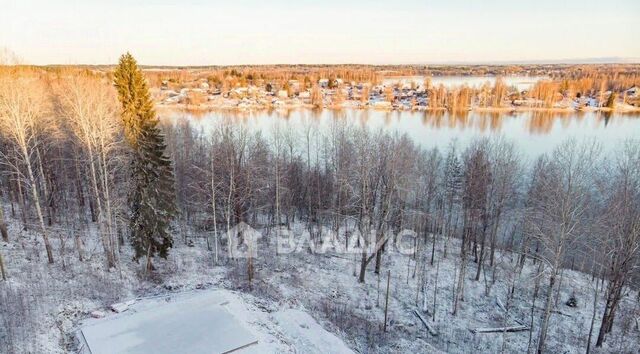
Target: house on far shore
column 382, row 105
column 295, row 85
column 304, row 94
column 283, row 94
column 324, row 83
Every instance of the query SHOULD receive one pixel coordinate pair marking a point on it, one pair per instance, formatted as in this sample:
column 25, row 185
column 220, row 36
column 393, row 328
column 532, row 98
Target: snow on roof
column 196, row 325
column 209, row 321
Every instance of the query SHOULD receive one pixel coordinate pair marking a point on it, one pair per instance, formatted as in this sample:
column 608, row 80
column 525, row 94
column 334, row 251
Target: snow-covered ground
column 307, row 335
column 301, row 302
column 326, row 285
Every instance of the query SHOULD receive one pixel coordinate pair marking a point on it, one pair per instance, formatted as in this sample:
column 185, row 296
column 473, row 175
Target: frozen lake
column 534, row 132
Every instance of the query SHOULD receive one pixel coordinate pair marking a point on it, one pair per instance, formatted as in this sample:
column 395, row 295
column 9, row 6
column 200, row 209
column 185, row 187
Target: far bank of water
column 533, row 132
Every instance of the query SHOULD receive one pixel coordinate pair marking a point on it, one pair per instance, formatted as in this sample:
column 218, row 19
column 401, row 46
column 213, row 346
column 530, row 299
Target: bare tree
column 452, row 185
column 90, row 107
column 622, row 222
column 561, row 211
column 23, row 117
column 477, row 179
column 367, row 185
column 505, row 169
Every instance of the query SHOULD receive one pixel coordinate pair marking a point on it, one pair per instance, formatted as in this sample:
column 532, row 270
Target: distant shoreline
column 505, row 110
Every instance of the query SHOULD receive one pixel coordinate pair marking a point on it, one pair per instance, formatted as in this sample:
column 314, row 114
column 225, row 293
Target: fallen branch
column 500, row 329
column 558, row 312
column 429, row 328
column 501, row 306
column 328, row 255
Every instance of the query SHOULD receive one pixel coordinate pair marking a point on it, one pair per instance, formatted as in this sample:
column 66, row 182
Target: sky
column 199, row 32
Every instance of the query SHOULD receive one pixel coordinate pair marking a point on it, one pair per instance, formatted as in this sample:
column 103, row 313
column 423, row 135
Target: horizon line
column 574, row 61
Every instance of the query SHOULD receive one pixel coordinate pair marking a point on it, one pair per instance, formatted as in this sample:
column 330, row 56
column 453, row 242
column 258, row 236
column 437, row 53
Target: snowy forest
column 102, row 200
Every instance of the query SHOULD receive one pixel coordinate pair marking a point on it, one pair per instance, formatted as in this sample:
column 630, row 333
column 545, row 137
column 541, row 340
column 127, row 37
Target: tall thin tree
column 152, row 198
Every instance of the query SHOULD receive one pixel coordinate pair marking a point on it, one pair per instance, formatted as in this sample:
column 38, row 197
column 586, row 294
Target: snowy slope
column 308, row 336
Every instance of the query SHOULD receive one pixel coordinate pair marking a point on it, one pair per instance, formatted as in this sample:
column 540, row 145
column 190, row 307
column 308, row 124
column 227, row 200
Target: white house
column 295, row 85
column 382, row 105
column 304, row 94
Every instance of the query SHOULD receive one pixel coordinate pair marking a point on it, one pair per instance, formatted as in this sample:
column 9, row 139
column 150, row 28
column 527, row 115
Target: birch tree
column 90, row 107
column 24, row 115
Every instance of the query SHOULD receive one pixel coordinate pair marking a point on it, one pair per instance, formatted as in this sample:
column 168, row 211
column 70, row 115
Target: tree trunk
column 79, row 189
column 229, row 240
column 494, row 234
column 45, row 188
column 2, row 270
column 213, row 206
column 21, row 201
column 435, row 292
column 386, row 303
column 149, row 265
column 78, row 242
column 536, row 288
column 378, row 261
column 557, row 297
column 459, row 296
column 36, row 200
column 92, row 210
column 380, row 232
column 104, row 237
column 433, row 245
column 107, row 199
column 481, row 255
column 3, row 225
column 363, row 264
column 547, row 314
column 593, row 318
column 448, row 227
column 613, row 297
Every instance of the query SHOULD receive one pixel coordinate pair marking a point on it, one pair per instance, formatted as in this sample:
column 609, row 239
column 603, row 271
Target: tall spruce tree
column 152, row 198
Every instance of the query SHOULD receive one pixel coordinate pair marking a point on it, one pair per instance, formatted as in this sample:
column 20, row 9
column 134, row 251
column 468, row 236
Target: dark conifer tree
column 152, row 195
